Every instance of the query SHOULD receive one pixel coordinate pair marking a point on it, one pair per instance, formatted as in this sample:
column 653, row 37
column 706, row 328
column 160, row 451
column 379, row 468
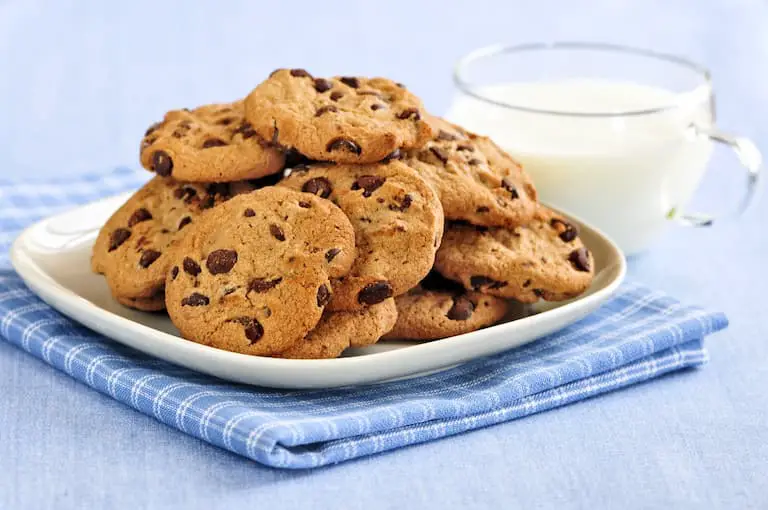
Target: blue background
column 79, row 83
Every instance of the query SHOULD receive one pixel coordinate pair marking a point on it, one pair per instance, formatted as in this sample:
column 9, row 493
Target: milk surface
column 624, row 174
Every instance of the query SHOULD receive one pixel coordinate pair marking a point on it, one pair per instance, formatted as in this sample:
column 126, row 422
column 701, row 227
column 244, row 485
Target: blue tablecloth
column 80, row 82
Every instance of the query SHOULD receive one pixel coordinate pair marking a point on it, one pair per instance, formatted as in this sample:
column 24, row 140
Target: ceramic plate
column 53, row 257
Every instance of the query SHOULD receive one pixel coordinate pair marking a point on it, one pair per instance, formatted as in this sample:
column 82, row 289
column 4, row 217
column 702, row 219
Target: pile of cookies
column 321, row 214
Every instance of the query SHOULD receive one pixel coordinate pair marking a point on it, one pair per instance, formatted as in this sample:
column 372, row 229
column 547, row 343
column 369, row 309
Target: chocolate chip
column 161, row 163
column 350, row 81
column 190, row 266
column 483, row 281
column 580, row 259
column 213, row 142
column 249, row 213
column 482, row 209
column 375, row 293
column 325, row 109
column 195, row 299
column 445, row 136
column 510, row 186
column 461, row 310
column 187, row 193
column 464, row 147
column 221, row 261
column 254, row 331
column 300, row 73
column 395, row 154
column 246, row 130
column 174, row 272
column 345, row 144
column 409, row 113
column 376, row 106
column 277, row 232
column 148, row 257
column 369, row 183
column 331, row 254
column 226, row 121
column 322, row 85
column 323, row 295
column 442, row 156
column 404, row 204
column 318, row 186
column 304, row 205
column 567, row 231
column 259, row 285
column 118, row 237
column 538, row 292
column 474, row 161
column 336, row 95
column 152, row 128
column 400, row 85
column 527, row 283
column 138, row 216
column 186, row 220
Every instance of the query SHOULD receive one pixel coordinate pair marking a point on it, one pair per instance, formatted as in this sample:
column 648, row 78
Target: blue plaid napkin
column 638, row 335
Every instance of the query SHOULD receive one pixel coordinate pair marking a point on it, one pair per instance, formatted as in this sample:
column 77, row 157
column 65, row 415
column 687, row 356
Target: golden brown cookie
column 150, row 304
column 132, row 248
column 398, row 224
column 342, row 119
column 440, row 308
column 543, row 259
column 476, row 180
column 212, row 143
column 337, row 331
column 252, row 276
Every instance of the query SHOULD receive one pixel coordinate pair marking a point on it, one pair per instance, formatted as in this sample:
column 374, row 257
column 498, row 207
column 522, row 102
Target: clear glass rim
column 501, row 49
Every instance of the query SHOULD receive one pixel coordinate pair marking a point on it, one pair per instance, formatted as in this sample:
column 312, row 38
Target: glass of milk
column 618, row 136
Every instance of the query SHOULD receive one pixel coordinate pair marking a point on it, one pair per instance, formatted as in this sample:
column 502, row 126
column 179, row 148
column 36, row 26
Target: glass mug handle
column 750, row 158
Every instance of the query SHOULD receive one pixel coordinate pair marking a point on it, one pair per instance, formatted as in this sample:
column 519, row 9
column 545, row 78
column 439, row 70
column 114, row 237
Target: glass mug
column 618, row 136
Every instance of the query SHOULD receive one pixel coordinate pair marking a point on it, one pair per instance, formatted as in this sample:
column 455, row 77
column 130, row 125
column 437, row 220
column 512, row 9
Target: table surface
column 80, row 81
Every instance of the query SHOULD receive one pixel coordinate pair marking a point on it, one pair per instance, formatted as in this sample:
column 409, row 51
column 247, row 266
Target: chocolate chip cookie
column 342, row 119
column 543, row 259
column 212, row 143
column 337, row 331
column 476, row 180
column 440, row 308
column 398, row 224
column 252, row 276
column 132, row 248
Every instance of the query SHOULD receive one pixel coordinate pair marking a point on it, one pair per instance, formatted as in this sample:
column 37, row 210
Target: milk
column 627, row 174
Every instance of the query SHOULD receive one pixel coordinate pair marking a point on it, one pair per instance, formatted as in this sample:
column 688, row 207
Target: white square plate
column 53, row 258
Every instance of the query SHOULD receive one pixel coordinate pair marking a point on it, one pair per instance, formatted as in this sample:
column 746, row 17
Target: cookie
column 342, row 119
column 154, row 303
column 543, row 259
column 212, row 143
column 476, row 180
column 398, row 224
column 252, row 276
column 440, row 308
column 132, row 248
column 337, row 331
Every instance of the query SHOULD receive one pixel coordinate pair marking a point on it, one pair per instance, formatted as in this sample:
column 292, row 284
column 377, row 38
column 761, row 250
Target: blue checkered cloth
column 639, row 335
